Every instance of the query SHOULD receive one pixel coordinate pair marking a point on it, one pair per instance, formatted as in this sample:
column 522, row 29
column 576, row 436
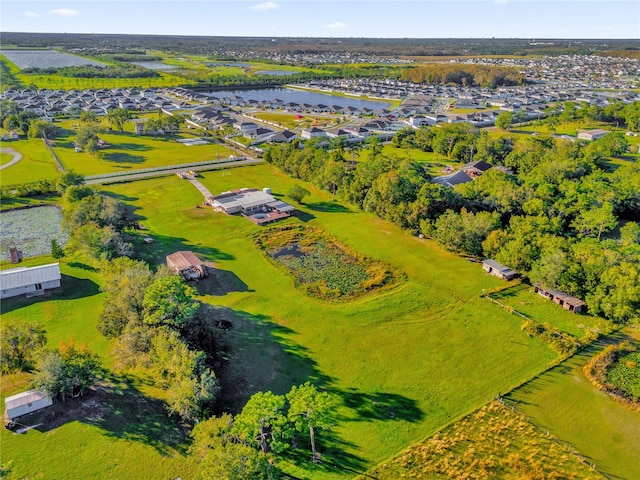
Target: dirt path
column 17, row 156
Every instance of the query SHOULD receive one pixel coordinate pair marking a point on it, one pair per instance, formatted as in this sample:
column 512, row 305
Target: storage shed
column 566, row 301
column 23, row 403
column 29, row 280
column 185, row 263
column 498, row 270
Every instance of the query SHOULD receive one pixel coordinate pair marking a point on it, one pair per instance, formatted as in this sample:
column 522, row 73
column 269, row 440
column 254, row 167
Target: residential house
column 29, row 280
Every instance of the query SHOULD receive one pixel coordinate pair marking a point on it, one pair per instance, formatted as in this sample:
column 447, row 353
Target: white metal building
column 33, row 280
column 23, row 403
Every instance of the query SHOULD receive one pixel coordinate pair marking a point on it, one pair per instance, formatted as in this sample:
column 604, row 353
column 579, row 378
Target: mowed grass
column 524, row 300
column 564, row 402
column 404, row 362
column 128, row 151
column 36, row 163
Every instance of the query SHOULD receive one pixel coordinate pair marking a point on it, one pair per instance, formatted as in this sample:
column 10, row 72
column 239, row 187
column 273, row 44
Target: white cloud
column 31, row 14
column 263, row 7
column 336, row 26
column 64, row 12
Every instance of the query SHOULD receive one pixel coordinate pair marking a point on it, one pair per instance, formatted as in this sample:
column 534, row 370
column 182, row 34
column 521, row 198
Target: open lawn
column 36, row 163
column 128, row 151
column 564, row 402
column 5, row 158
column 404, row 361
column 434, row 161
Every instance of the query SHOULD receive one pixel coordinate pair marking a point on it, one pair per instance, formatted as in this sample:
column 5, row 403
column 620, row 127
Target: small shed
column 497, row 270
column 592, row 134
column 185, row 263
column 566, row 301
column 23, row 403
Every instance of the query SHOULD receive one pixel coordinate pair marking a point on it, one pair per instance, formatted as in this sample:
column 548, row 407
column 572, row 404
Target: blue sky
column 320, row 18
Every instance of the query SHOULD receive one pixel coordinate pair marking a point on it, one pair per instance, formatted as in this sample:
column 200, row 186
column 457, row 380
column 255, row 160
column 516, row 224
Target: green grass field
column 404, row 362
column 398, row 359
column 5, row 158
column 564, row 402
column 128, row 151
column 36, row 163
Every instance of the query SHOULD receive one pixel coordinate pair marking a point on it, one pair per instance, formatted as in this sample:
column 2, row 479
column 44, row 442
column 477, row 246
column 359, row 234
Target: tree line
column 554, row 211
column 123, row 70
column 464, row 75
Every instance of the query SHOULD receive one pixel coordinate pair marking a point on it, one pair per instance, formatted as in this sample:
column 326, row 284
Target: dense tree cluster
column 552, row 212
column 243, row 447
column 464, row 75
column 153, row 318
column 94, row 71
column 67, row 371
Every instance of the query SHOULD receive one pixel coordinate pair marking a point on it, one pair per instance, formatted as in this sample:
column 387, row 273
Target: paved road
column 17, row 156
column 162, row 173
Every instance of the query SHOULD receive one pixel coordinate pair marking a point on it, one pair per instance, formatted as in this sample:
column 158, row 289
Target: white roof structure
column 24, row 398
column 24, row 276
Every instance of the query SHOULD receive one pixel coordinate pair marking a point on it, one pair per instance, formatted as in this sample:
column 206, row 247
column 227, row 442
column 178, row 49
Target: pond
column 277, row 73
column 155, row 65
column 46, row 59
column 31, row 230
column 300, row 96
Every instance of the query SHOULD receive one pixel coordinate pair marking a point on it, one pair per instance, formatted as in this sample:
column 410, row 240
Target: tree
column 310, row 409
column 504, row 120
column 118, row 117
column 191, row 386
column 297, row 193
column 38, row 128
column 221, row 456
column 262, row 423
column 88, row 116
column 87, row 138
column 57, row 251
column 168, row 301
column 19, row 345
column 125, row 282
column 68, row 178
column 67, row 371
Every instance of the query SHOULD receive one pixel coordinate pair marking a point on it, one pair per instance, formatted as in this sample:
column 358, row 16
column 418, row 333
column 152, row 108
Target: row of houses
column 53, row 103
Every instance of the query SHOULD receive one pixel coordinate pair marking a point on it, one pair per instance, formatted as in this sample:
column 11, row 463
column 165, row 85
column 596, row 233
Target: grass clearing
column 564, row 402
column 36, row 163
column 398, row 359
column 128, row 151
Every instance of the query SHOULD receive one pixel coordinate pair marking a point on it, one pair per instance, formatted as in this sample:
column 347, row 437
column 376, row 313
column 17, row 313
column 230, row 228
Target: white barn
column 33, row 280
column 23, row 403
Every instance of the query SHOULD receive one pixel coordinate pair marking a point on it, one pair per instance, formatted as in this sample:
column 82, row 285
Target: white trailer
column 23, row 403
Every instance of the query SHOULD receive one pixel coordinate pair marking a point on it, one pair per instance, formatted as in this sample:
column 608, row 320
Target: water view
column 31, row 230
column 277, row 73
column 301, row 96
column 46, row 59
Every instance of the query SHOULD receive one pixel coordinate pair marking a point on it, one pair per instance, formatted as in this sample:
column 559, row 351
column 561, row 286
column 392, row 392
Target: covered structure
column 29, row 280
column 566, row 301
column 498, row 270
column 251, row 202
column 23, row 403
column 185, row 263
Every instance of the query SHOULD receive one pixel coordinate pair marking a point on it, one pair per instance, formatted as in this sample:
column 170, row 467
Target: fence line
column 59, row 164
column 159, row 169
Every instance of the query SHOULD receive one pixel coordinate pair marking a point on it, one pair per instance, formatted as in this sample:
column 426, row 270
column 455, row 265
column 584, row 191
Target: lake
column 46, row 59
column 31, row 230
column 155, row 65
column 301, row 96
column 277, row 73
